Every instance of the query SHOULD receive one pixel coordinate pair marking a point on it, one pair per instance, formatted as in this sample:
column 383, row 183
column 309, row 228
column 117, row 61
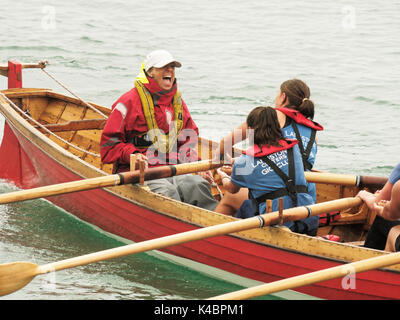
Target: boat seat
column 75, row 125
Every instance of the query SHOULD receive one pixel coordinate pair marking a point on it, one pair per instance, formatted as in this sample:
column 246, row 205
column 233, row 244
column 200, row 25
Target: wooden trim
column 25, row 66
column 4, row 68
column 34, row 92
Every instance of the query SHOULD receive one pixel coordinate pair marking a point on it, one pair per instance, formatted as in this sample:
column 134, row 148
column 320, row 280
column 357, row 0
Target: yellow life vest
column 163, row 142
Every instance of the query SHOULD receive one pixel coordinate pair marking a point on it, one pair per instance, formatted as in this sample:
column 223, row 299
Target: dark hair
column 264, row 122
column 298, row 94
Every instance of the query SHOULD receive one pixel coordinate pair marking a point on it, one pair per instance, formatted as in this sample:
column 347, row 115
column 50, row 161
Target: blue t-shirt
column 395, row 175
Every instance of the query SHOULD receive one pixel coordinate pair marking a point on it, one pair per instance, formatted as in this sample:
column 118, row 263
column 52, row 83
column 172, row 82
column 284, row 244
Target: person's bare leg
column 391, row 239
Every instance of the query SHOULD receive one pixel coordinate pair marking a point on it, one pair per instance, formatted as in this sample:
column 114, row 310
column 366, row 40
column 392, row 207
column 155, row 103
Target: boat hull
column 113, row 211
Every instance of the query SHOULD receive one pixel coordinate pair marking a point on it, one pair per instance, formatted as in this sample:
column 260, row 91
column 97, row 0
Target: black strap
column 300, row 227
column 173, row 170
column 115, row 167
column 305, row 153
column 279, row 193
column 140, row 141
column 288, row 180
column 121, row 179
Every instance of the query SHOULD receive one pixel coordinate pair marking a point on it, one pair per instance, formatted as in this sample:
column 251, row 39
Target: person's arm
column 113, row 144
column 390, row 210
column 227, row 183
column 385, row 203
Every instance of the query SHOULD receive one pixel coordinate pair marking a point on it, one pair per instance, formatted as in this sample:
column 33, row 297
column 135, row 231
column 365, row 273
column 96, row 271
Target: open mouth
column 167, row 80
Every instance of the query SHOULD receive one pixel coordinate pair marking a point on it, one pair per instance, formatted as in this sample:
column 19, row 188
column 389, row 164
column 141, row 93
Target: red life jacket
column 261, row 151
column 300, row 118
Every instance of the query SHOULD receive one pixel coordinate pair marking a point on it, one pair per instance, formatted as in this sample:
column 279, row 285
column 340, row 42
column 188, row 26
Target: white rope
column 44, row 63
column 46, row 129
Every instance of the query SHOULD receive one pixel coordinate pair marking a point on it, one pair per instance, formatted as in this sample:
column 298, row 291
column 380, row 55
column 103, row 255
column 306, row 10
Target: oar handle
column 346, row 179
column 372, row 182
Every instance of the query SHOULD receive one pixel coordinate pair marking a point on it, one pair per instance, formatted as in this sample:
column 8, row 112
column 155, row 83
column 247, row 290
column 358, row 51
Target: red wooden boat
column 51, row 138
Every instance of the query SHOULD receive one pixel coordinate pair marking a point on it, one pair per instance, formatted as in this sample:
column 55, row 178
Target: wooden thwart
column 75, row 125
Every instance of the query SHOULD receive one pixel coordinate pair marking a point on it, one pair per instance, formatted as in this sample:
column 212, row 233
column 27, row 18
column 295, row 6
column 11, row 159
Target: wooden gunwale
column 269, row 236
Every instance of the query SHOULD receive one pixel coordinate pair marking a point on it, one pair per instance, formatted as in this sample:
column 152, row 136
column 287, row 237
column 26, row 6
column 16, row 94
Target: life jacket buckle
column 291, row 188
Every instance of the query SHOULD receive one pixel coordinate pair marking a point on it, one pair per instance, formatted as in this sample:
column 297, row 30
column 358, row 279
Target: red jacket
column 127, row 120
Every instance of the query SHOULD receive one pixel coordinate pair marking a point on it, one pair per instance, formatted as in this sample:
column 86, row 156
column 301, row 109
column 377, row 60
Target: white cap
column 159, row 59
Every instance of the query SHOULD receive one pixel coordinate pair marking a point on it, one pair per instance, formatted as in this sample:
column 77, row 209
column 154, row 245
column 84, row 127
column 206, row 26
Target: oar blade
column 16, row 275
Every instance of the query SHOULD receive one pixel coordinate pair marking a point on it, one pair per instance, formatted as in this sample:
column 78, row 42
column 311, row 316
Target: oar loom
column 313, row 277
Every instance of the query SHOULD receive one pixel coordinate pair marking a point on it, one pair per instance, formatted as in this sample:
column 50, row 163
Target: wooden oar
column 373, row 182
column 108, row 181
column 14, row 276
column 313, row 277
column 345, row 179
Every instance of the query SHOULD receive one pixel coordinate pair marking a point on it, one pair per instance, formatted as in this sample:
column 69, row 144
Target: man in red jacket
column 153, row 122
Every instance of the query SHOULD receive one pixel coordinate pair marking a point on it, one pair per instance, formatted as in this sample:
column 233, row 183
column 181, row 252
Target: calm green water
column 235, row 54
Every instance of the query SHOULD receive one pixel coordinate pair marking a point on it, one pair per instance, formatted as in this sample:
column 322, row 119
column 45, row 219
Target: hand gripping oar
column 108, row 181
column 16, row 275
column 313, row 277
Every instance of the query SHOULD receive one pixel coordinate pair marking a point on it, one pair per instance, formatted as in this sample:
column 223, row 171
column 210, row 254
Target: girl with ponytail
column 295, row 94
column 295, row 113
